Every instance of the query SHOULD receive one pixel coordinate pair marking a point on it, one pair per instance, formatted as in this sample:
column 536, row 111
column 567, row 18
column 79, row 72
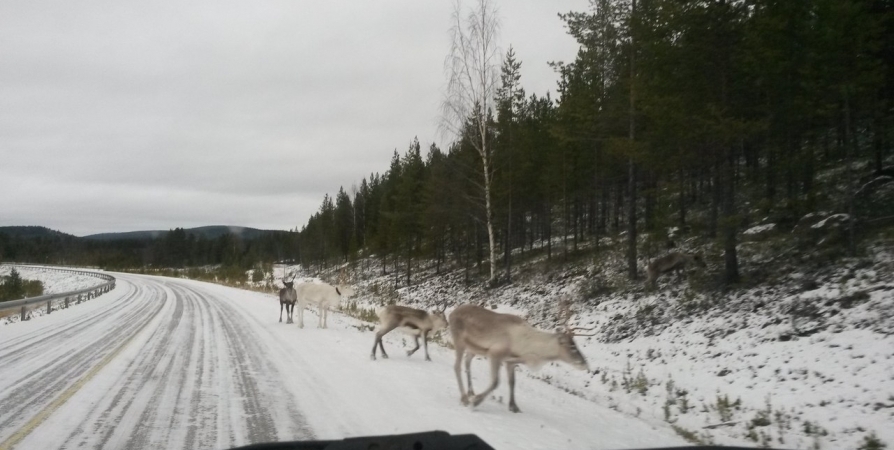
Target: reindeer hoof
column 372, row 357
column 428, row 359
column 514, row 408
column 476, row 400
column 384, row 356
column 465, row 400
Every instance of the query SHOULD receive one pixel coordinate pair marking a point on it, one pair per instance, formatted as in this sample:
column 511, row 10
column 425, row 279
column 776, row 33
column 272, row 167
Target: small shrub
column 872, row 442
column 688, row 435
column 641, row 383
column 761, row 419
column 724, row 408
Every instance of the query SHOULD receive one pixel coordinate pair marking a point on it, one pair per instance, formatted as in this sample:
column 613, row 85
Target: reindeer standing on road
column 287, row 297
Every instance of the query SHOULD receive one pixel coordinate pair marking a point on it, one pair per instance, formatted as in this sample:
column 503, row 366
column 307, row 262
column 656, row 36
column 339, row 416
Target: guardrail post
column 66, row 302
column 49, row 306
column 23, row 314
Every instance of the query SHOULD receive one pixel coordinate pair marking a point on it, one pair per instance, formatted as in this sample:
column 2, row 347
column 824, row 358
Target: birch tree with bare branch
column 473, row 76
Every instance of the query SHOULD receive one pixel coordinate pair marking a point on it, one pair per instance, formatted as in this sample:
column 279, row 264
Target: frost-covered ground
column 53, row 282
column 804, row 361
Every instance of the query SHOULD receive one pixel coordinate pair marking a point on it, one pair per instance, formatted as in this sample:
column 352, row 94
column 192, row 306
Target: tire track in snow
column 258, row 381
column 197, row 377
column 17, row 348
column 37, row 382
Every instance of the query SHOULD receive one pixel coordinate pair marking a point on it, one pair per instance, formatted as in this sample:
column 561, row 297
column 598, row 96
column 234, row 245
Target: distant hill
column 208, row 232
column 130, row 235
column 32, row 232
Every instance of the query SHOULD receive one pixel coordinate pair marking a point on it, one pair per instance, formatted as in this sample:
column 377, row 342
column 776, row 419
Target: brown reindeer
column 419, row 321
column 675, row 261
column 287, row 297
column 505, row 338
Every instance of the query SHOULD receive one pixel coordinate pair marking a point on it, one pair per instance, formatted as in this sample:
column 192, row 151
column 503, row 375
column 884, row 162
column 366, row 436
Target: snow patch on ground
column 759, row 229
column 53, row 282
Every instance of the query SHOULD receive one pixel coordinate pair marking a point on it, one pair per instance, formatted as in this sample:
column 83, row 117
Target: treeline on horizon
column 177, row 248
column 695, row 113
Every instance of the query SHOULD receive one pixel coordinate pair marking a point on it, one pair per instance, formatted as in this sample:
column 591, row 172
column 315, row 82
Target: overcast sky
column 122, row 116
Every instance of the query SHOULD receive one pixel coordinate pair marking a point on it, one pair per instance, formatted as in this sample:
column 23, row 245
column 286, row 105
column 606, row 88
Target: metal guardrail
column 78, row 296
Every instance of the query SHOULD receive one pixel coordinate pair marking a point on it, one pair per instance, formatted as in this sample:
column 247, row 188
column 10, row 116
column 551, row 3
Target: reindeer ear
column 337, row 291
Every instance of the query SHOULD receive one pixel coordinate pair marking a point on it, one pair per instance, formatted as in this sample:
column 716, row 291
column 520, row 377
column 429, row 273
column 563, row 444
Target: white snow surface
column 53, row 282
column 172, row 363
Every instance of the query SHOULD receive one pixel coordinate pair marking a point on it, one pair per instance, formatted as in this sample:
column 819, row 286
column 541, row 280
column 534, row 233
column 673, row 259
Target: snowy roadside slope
column 343, row 393
column 805, row 362
column 53, row 282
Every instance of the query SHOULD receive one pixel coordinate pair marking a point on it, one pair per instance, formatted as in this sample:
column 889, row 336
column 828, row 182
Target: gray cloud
column 119, row 116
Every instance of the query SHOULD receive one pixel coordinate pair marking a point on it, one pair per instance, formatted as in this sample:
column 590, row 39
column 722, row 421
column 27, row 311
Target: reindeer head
column 344, row 290
column 438, row 318
column 288, row 281
column 568, row 351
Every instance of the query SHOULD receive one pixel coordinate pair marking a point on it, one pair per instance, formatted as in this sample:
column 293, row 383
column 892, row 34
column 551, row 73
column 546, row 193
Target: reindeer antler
column 565, row 314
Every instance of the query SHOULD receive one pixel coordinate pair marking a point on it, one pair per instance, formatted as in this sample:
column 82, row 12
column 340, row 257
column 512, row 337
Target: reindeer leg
column 457, row 367
column 510, row 376
column 425, row 343
column 290, row 308
column 469, row 357
column 280, row 312
column 495, row 362
column 382, row 331
column 413, row 350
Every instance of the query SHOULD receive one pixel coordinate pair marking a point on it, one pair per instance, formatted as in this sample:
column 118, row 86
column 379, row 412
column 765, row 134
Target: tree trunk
column 682, row 198
column 490, row 219
column 631, row 169
column 731, row 261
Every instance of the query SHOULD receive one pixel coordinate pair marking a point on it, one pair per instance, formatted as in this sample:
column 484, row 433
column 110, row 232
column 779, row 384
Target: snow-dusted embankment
column 167, row 363
column 53, row 282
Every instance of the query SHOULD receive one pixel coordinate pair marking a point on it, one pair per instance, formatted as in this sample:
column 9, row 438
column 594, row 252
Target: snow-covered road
column 169, row 363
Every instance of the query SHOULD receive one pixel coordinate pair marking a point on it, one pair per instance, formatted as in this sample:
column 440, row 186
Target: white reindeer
column 506, row 338
column 324, row 296
column 417, row 320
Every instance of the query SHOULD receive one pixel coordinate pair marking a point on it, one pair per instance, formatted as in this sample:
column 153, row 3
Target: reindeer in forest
column 417, row 320
column 287, row 297
column 675, row 261
column 506, row 338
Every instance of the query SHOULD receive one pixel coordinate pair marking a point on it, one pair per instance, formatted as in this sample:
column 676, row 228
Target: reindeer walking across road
column 421, row 322
column 506, row 338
